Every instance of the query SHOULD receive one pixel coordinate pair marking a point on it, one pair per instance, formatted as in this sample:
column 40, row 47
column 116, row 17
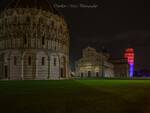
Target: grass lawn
column 75, row 96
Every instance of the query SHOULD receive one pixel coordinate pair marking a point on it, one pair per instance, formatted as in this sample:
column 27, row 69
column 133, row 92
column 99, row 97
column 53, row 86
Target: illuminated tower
column 130, row 55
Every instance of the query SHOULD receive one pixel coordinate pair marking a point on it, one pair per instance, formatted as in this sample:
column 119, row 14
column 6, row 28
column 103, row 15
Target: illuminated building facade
column 121, row 67
column 93, row 64
column 34, row 42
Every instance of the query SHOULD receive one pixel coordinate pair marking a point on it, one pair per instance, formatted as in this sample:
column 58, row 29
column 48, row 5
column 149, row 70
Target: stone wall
column 34, row 45
column 33, row 65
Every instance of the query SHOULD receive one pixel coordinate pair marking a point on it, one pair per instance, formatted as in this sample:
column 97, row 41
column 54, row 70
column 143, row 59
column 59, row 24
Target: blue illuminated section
column 131, row 70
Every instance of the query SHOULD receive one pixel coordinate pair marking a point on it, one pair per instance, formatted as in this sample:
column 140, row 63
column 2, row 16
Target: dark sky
column 115, row 25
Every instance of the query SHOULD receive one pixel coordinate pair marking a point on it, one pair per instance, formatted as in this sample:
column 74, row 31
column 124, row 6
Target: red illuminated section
column 130, row 55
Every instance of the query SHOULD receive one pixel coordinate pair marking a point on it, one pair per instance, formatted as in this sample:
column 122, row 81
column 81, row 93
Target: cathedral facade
column 34, row 42
column 94, row 65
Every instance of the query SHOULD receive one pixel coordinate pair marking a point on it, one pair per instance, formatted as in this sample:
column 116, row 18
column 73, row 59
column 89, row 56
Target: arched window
column 25, row 40
column 6, row 21
column 43, row 40
column 81, row 74
column 97, row 74
column 43, row 61
column 28, row 20
column 52, row 24
column 15, row 20
column 55, row 60
column 61, row 29
column 29, row 60
column 63, row 60
column 55, row 47
column 89, row 73
column 15, row 60
column 41, row 20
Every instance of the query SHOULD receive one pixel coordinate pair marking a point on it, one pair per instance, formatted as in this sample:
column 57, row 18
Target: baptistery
column 34, row 41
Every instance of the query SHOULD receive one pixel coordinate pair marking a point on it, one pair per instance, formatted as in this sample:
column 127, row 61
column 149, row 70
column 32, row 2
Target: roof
column 39, row 4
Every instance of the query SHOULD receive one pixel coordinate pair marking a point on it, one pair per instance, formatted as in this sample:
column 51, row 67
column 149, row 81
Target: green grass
column 75, row 96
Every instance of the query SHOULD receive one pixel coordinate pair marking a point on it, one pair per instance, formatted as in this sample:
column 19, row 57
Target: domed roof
column 39, row 4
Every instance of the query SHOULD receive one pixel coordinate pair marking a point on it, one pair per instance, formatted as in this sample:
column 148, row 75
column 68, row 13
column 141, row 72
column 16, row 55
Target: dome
column 39, row 15
column 38, row 4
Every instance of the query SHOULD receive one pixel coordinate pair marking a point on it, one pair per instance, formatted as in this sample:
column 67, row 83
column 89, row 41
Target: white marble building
column 34, row 42
column 94, row 65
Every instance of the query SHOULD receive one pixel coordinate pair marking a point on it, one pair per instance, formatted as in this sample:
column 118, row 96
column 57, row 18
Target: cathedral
column 34, row 42
column 94, row 65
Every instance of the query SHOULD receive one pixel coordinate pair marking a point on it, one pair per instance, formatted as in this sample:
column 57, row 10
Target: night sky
column 115, row 25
